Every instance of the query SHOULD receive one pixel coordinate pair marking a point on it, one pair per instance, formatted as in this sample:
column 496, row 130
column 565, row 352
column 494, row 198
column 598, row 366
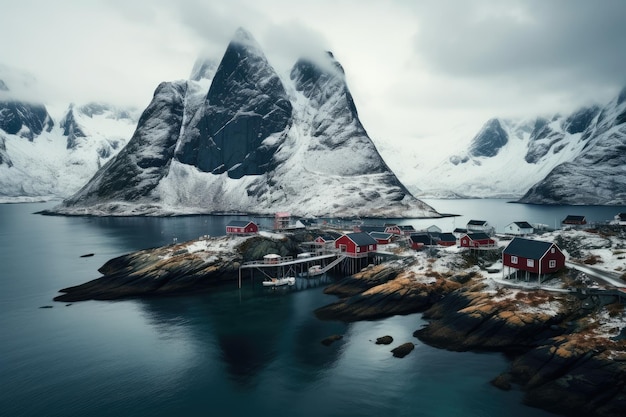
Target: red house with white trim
column 356, row 245
column 476, row 240
column 242, row 227
column 533, row 257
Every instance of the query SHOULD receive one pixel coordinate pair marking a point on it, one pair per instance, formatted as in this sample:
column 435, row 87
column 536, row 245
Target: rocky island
column 566, row 339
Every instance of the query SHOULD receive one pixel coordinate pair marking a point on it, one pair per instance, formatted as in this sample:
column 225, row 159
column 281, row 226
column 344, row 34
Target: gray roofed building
column 361, row 238
column 527, row 248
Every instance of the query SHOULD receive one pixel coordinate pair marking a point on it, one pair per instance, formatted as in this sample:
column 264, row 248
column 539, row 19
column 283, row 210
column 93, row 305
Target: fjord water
column 235, row 352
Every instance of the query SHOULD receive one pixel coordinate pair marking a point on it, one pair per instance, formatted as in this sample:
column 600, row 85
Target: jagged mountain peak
column 204, row 68
column 621, row 98
column 245, row 105
column 256, row 143
column 595, row 174
column 312, row 74
column 489, row 140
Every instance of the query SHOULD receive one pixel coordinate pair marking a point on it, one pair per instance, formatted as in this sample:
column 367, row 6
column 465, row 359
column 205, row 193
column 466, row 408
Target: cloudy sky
column 415, row 68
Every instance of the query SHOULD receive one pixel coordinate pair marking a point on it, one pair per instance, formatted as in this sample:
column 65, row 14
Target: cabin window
column 552, row 250
column 513, row 259
column 552, row 263
column 358, row 249
column 530, row 263
column 371, row 247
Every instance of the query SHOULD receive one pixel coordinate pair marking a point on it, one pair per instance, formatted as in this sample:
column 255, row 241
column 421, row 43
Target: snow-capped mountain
column 250, row 140
column 504, row 159
column 561, row 159
column 41, row 159
column 597, row 175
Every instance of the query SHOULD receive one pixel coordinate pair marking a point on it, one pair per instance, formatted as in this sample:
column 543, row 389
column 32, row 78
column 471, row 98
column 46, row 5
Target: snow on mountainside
column 50, row 152
column 597, row 174
column 57, row 161
column 504, row 159
column 253, row 141
column 571, row 159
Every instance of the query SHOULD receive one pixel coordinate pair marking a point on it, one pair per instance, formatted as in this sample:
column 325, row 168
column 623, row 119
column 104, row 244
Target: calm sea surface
column 234, row 352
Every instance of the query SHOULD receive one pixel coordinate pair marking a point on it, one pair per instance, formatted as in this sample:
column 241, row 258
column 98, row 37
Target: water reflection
column 250, row 329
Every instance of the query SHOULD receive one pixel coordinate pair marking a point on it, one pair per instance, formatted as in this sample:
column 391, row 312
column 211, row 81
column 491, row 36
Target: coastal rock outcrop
column 186, row 267
column 476, row 320
column 567, row 359
column 384, row 291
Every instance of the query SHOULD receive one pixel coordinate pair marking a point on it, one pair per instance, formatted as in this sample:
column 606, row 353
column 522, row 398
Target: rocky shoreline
column 192, row 266
column 568, row 351
column 567, row 348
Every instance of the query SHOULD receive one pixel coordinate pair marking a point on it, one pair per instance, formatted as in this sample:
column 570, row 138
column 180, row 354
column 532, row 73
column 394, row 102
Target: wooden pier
column 284, row 266
column 288, row 265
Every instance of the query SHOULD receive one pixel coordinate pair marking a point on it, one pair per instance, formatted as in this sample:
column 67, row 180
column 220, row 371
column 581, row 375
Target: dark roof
column 459, row 230
column 368, row 229
column 329, row 236
column 406, row 227
column 422, row 238
column 447, row 237
column 527, row 248
column 239, row 223
column 478, row 236
column 361, row 239
column 571, row 218
column 434, row 235
column 381, row 235
column 477, row 222
column 523, row 225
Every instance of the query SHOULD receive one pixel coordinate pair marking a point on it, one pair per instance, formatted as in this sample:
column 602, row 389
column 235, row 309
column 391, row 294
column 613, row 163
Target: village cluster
column 523, row 254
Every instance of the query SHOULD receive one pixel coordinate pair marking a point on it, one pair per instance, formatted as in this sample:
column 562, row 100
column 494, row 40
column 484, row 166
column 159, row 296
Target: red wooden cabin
column 241, row 227
column 477, row 240
column 356, row 245
column 533, row 256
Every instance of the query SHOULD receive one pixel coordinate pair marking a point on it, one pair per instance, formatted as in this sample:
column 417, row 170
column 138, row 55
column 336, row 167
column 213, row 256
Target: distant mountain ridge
column 252, row 142
column 574, row 158
column 597, row 175
column 42, row 159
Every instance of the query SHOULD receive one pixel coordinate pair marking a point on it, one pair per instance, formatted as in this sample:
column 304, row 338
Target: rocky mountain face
column 559, row 159
column 596, row 175
column 23, row 119
column 41, row 159
column 246, row 103
column 489, row 140
column 250, row 140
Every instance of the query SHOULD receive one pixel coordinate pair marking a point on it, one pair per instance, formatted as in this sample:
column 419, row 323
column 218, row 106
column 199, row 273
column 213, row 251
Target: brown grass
column 592, row 260
column 615, row 309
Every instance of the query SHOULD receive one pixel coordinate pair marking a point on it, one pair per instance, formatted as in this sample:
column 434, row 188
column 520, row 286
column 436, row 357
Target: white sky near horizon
column 416, row 69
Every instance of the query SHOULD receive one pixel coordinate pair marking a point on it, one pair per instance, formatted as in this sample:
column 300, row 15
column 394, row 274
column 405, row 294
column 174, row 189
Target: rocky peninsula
column 193, row 266
column 566, row 340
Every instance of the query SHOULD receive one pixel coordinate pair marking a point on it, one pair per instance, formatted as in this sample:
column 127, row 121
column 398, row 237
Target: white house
column 434, row 229
column 480, row 226
column 519, row 229
column 620, row 219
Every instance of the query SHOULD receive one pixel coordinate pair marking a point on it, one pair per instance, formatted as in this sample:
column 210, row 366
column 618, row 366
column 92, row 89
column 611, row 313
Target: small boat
column 277, row 282
column 315, row 270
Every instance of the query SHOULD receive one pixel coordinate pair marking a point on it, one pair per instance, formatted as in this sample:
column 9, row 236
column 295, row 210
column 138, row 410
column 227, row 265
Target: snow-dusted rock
column 56, row 160
column 597, row 174
column 252, row 142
